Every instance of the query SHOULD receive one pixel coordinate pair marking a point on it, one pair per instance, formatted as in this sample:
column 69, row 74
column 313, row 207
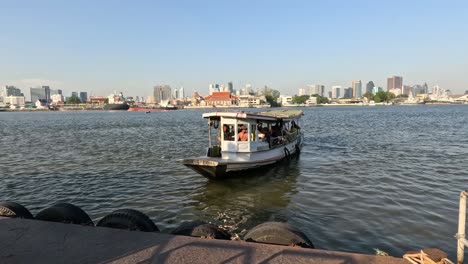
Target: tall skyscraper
column 348, row 92
column 369, row 86
column 302, row 91
column 42, row 93
column 213, row 88
column 161, row 93
column 55, row 91
column 231, row 87
column 83, row 97
column 394, row 82
column 357, row 89
column 316, row 89
column 336, row 91
column 10, row 91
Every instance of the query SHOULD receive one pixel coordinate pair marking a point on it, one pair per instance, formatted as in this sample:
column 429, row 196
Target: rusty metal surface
column 31, row 241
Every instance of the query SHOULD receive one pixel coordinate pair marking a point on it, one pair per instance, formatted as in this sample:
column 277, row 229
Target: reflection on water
column 255, row 197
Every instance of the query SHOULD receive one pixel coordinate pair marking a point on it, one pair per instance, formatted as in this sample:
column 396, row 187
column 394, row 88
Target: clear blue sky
column 102, row 46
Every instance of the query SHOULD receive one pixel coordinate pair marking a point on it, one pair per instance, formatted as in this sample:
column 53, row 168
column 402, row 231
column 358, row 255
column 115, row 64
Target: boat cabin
column 241, row 132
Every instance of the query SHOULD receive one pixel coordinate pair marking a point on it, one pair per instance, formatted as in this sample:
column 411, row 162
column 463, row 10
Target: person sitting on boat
column 275, row 136
column 243, row 135
column 228, row 134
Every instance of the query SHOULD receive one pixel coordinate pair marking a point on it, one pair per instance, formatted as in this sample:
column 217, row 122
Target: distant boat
column 116, row 102
column 117, row 106
column 150, row 108
column 248, row 141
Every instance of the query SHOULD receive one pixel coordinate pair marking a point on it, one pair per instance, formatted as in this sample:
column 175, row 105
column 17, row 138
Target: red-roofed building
column 221, row 98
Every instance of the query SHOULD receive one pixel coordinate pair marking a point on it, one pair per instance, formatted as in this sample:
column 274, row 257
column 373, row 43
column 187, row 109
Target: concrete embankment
column 33, row 241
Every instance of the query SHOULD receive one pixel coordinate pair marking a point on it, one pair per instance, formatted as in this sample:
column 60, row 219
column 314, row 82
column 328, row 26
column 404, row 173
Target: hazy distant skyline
column 107, row 46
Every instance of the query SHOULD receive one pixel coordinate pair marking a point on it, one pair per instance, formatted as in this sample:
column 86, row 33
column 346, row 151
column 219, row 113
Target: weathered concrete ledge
column 32, row 241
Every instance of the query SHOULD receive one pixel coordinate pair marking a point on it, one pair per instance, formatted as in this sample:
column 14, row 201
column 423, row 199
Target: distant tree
column 369, row 96
column 74, row 100
column 106, row 101
column 300, row 99
column 271, row 100
column 321, row 99
column 271, row 96
column 383, row 97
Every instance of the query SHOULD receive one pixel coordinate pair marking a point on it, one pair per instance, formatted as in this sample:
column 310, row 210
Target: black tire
column 279, row 234
column 287, row 154
column 14, row 210
column 128, row 219
column 298, row 149
column 65, row 213
column 200, row 229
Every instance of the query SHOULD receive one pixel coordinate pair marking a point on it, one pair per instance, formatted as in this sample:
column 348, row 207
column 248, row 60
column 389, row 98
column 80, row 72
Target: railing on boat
column 462, row 242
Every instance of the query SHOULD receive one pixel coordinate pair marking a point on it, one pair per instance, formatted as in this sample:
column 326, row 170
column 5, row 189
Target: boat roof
column 271, row 115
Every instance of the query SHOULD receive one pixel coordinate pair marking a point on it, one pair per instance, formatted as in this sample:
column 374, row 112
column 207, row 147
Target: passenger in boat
column 267, row 137
column 242, row 134
column 228, row 134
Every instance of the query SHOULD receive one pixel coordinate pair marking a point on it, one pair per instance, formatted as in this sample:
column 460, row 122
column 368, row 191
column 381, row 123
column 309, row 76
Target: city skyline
column 102, row 47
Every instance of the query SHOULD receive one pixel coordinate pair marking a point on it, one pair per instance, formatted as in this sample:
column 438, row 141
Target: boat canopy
column 267, row 116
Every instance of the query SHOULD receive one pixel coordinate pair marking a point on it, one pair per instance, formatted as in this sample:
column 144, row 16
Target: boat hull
column 216, row 168
column 116, row 107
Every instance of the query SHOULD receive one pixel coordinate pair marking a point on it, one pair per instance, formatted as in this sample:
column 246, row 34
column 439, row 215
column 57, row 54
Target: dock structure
column 33, row 241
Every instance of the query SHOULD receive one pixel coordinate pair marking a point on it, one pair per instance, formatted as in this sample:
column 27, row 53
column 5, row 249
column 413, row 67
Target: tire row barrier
column 276, row 233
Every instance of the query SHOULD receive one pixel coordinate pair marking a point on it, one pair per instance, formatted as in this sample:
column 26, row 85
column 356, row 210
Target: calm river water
column 368, row 177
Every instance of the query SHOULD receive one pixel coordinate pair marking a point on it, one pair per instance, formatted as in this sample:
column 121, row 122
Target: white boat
column 240, row 141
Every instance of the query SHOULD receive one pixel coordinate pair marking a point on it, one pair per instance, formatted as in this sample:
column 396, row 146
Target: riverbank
column 32, row 241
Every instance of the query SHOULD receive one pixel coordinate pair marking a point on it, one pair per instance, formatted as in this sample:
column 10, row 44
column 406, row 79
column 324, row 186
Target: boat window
column 253, row 132
column 228, row 132
column 242, row 132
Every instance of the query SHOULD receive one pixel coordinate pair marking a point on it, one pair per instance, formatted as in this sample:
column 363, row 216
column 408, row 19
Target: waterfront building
column 221, row 99
column 407, row 90
column 357, row 89
column 57, row 98
column 55, row 91
column 285, row 100
column 15, row 100
column 395, row 91
column 41, row 103
column 40, row 93
column 348, row 92
column 150, row 99
column 336, row 92
column 83, row 97
column 394, row 82
column 369, row 87
column 161, row 93
column 251, row 100
column 10, row 91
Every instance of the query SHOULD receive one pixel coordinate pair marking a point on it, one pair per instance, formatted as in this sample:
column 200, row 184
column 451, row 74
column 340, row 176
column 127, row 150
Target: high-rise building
column 10, row 91
column 369, row 86
column 348, row 92
column 161, row 93
column 357, row 89
column 55, row 91
column 213, row 88
column 336, row 92
column 42, row 93
column 302, row 91
column 83, row 97
column 316, row 89
column 231, row 87
column 74, row 94
column 394, row 82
